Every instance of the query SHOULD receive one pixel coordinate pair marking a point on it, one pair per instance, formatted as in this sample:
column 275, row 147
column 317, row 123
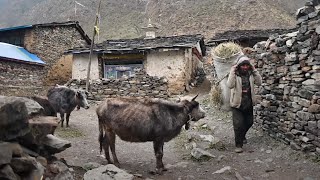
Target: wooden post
column 95, row 29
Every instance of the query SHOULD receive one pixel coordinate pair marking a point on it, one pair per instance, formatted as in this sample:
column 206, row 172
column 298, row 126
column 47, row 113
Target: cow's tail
column 101, row 136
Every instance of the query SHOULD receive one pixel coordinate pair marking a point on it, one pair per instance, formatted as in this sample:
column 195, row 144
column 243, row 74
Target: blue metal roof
column 14, row 28
column 17, row 53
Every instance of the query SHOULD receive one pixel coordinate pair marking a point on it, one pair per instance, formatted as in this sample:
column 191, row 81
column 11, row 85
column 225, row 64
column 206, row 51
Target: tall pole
column 95, row 29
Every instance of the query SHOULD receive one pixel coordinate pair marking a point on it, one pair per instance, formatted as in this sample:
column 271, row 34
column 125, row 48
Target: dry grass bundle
column 226, row 50
column 216, row 95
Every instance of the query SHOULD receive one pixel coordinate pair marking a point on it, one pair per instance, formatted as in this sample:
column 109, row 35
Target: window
column 120, row 69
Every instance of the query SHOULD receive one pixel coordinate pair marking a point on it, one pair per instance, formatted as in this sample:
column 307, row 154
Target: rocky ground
column 211, row 142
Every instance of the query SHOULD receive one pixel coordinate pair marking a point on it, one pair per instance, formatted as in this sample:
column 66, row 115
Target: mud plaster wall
column 171, row 65
column 80, row 66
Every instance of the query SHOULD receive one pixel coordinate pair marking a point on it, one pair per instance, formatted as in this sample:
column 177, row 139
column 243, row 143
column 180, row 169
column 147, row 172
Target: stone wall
column 20, row 79
column 49, row 43
column 140, row 85
column 290, row 94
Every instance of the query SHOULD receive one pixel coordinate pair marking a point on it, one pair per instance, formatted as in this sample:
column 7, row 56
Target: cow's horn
column 195, row 97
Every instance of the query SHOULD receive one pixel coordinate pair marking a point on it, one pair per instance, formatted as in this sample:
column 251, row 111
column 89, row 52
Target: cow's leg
column 62, row 118
column 67, row 118
column 106, row 145
column 158, row 151
column 112, row 140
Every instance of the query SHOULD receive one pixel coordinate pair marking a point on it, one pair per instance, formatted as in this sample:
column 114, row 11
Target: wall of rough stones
column 140, row 85
column 20, row 78
column 49, row 44
column 290, row 94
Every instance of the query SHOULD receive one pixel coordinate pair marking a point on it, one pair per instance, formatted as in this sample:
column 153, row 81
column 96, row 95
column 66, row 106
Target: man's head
column 244, row 65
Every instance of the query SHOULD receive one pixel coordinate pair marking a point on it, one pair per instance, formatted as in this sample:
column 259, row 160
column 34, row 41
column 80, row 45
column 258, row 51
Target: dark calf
column 64, row 100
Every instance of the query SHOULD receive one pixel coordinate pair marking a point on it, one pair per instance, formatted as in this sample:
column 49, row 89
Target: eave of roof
column 68, row 23
column 247, row 34
column 142, row 45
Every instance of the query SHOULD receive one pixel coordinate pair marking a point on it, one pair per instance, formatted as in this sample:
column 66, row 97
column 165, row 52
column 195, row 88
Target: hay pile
column 226, row 50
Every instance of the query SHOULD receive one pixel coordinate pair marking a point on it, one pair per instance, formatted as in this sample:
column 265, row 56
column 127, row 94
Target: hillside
column 124, row 18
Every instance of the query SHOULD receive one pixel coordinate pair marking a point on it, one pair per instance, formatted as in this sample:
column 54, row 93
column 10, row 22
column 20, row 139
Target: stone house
column 175, row 58
column 49, row 42
column 18, row 68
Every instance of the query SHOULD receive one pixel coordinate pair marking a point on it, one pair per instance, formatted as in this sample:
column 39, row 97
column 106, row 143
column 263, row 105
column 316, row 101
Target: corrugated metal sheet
column 16, row 53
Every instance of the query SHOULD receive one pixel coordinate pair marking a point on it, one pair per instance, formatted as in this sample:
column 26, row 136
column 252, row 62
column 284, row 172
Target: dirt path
column 264, row 158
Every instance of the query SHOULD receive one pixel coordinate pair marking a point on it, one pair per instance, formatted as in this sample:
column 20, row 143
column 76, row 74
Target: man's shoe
column 238, row 150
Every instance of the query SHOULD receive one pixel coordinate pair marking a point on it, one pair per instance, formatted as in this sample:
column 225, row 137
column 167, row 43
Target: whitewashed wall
column 80, row 65
column 170, row 64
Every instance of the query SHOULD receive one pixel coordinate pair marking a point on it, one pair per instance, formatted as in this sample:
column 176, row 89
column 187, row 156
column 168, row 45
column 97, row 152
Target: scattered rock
column 91, row 165
column 108, row 172
column 54, row 144
column 201, row 154
column 223, row 170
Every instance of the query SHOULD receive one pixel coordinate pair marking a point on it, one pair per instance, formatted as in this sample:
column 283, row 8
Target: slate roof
column 239, row 35
column 15, row 53
column 141, row 45
column 52, row 24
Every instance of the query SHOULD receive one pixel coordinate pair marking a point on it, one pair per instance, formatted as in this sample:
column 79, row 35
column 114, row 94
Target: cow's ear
column 195, row 97
column 78, row 94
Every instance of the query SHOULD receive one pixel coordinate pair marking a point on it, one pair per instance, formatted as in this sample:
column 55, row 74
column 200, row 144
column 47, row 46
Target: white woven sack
column 222, row 68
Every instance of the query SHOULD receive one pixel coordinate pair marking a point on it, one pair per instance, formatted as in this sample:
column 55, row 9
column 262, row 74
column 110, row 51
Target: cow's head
column 195, row 111
column 82, row 99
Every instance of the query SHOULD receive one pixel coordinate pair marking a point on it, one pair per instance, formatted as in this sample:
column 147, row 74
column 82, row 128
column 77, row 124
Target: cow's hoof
column 159, row 171
column 117, row 164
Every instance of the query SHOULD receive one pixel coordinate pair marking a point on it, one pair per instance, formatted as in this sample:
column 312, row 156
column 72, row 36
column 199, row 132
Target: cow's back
column 138, row 120
column 44, row 102
column 62, row 99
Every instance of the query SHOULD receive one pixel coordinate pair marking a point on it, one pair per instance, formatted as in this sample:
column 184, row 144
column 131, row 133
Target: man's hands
column 233, row 69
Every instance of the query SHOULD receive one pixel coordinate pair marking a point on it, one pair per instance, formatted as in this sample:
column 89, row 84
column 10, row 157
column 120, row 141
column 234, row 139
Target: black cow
column 64, row 100
column 44, row 102
column 142, row 120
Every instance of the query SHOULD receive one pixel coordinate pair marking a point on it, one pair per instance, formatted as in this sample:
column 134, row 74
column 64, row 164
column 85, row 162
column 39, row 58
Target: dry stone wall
column 20, row 79
column 290, row 94
column 140, row 85
column 49, row 44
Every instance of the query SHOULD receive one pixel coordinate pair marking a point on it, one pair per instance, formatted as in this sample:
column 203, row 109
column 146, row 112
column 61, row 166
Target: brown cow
column 142, row 120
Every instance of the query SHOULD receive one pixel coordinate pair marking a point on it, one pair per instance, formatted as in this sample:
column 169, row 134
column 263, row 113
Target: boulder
column 23, row 164
column 60, row 171
column 54, row 144
column 33, row 108
column 5, row 153
column 108, row 172
column 37, row 173
column 7, row 173
column 13, row 120
column 40, row 127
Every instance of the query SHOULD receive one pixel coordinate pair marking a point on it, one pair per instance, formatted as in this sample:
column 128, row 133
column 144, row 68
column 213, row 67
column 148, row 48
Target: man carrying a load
column 242, row 78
